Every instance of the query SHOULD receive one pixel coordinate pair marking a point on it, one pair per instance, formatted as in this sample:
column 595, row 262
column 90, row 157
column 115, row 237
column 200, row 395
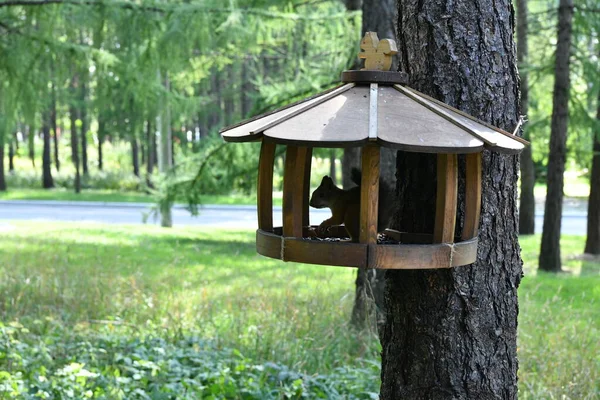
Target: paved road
column 123, row 213
column 574, row 217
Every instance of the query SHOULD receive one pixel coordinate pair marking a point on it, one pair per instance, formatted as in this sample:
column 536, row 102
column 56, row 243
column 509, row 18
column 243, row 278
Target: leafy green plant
column 59, row 365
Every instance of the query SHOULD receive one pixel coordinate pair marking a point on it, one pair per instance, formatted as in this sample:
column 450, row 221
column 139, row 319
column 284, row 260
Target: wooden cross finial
column 377, row 53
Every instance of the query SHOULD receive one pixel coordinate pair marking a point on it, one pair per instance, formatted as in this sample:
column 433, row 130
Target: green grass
column 118, row 196
column 81, row 283
column 209, row 281
column 559, row 324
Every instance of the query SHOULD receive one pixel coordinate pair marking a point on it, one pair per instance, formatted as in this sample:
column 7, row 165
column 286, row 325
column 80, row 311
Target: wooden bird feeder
column 372, row 108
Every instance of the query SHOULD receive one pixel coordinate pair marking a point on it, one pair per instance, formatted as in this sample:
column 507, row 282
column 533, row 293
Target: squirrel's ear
column 327, row 181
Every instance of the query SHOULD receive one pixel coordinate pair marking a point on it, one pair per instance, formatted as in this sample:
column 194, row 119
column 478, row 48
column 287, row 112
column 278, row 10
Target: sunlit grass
column 118, row 196
column 144, row 280
column 183, row 278
column 571, row 247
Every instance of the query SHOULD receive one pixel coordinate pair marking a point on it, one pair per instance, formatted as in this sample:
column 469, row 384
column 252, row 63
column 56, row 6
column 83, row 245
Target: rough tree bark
column 550, row 250
column 74, row 116
column 451, row 334
column 527, row 199
column 47, row 181
column 592, row 243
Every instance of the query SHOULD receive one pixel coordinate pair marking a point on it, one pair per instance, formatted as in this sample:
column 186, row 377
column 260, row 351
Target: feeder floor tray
column 412, row 251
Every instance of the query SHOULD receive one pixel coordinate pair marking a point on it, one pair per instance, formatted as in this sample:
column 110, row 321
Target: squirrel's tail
column 355, row 175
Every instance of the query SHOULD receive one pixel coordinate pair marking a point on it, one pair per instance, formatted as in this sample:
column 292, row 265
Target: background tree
column 2, row 173
column 442, row 323
column 527, row 198
column 592, row 243
column 74, row 116
column 550, row 248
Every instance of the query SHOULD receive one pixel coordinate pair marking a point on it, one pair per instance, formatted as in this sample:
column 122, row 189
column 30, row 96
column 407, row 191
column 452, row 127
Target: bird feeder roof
column 374, row 106
column 392, row 116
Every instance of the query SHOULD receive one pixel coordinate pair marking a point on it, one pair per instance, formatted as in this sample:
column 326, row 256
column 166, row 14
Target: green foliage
column 585, row 81
column 60, row 364
column 215, row 168
column 124, row 66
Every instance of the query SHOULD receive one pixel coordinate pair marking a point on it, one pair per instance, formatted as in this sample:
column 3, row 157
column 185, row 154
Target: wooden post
column 473, row 196
column 306, row 187
column 295, row 192
column 265, row 186
column 369, row 194
column 447, row 187
column 288, row 195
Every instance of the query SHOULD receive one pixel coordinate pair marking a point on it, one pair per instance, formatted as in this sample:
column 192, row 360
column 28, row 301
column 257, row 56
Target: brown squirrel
column 345, row 204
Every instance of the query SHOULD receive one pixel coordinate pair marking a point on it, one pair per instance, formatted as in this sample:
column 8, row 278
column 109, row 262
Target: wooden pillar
column 265, row 186
column 472, row 196
column 447, row 187
column 306, row 187
column 295, row 192
column 369, row 194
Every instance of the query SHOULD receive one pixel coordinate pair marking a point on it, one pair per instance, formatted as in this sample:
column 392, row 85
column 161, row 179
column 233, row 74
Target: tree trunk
column 135, row 157
column 84, row 127
column 527, row 199
column 47, row 181
column 73, row 114
column 350, row 159
column 332, row 172
column 550, row 251
column 151, row 139
column 101, row 135
column 165, row 154
column 142, row 152
column 31, row 142
column 2, row 174
column 11, row 155
column 53, row 118
column 451, row 333
column 353, row 5
column 592, row 243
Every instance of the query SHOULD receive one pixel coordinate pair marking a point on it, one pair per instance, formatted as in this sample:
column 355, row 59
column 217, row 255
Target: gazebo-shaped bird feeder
column 372, row 108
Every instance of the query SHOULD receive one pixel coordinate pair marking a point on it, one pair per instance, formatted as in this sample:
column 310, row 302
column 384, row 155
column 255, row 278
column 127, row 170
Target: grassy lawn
column 103, row 310
column 116, row 196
